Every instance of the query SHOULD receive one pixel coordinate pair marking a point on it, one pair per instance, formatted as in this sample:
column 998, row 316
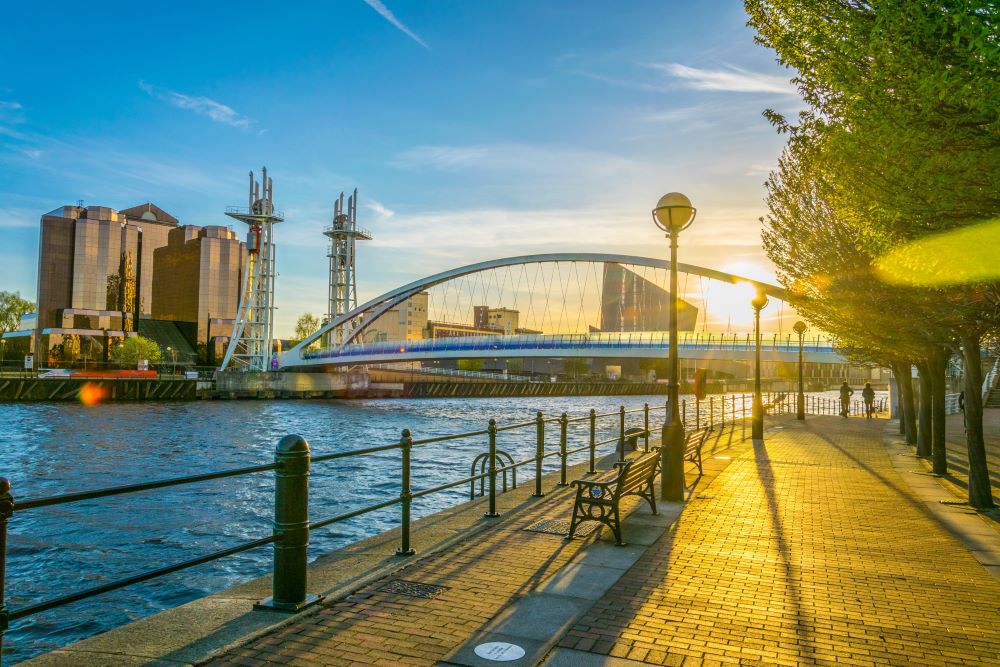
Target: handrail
column 990, row 379
column 499, row 341
column 135, row 488
column 291, row 528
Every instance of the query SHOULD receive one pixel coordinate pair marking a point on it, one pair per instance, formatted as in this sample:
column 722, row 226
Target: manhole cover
column 561, row 527
column 413, row 589
column 499, row 651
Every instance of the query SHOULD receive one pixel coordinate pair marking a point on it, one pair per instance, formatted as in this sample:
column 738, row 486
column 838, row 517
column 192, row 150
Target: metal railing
column 293, row 460
column 989, row 382
column 291, row 525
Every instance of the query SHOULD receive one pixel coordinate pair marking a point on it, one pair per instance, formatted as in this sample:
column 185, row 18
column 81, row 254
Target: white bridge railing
column 630, row 341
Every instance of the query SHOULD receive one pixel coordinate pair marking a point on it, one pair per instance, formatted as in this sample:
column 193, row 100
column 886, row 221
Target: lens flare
column 961, row 256
column 92, row 394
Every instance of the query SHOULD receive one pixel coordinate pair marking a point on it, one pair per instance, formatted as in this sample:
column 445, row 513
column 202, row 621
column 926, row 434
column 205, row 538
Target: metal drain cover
column 561, row 527
column 413, row 589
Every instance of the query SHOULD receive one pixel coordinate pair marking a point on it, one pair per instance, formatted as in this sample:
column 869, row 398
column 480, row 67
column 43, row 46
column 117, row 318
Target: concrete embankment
column 97, row 389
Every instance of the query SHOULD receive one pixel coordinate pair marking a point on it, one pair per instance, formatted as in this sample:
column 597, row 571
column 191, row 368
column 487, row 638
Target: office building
column 198, row 281
column 98, row 283
column 629, row 302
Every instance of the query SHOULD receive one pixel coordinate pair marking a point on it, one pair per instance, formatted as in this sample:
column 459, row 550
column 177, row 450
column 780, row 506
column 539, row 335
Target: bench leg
column 650, row 496
column 573, row 522
column 617, row 528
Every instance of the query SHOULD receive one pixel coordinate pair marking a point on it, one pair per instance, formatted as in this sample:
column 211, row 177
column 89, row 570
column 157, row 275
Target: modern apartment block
column 405, row 321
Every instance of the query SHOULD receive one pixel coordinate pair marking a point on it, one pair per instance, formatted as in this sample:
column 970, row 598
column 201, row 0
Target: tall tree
column 901, row 139
column 306, row 325
column 12, row 308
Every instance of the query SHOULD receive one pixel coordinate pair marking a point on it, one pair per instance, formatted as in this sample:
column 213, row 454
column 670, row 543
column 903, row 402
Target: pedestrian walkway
column 806, row 550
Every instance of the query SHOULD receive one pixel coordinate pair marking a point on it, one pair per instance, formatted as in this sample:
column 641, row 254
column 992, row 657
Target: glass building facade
column 102, row 271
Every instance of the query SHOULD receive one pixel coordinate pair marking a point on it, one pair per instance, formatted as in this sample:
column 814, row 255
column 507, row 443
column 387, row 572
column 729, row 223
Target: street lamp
column 673, row 214
column 800, row 328
column 173, row 361
column 759, row 302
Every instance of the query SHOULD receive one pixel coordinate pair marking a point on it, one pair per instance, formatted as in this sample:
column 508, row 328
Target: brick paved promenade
column 807, row 550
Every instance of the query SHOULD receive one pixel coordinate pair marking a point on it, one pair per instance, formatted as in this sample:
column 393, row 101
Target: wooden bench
column 598, row 500
column 693, row 442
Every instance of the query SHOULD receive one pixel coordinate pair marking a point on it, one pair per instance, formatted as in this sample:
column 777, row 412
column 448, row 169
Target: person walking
column 845, row 399
column 961, row 407
column 869, row 395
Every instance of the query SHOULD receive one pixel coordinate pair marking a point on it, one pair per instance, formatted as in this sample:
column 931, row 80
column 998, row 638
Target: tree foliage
column 900, row 140
column 306, row 325
column 12, row 307
column 134, row 349
column 474, row 365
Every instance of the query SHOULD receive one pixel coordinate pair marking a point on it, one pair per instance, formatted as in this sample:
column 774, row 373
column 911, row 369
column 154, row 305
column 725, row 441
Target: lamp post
column 673, row 214
column 800, row 328
column 173, row 361
column 759, row 302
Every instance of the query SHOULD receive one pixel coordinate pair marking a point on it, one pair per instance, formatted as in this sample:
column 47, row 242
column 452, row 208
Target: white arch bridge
column 550, row 302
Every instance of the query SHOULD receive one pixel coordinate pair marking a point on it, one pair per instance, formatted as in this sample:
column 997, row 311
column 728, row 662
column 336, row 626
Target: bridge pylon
column 250, row 344
column 342, row 232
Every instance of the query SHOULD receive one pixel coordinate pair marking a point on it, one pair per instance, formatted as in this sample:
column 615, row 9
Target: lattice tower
column 343, row 232
column 251, row 342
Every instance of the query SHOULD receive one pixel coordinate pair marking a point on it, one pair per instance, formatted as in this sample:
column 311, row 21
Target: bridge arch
column 356, row 321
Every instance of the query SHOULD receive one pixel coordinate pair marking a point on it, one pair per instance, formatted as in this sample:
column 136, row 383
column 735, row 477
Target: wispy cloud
column 387, row 14
column 203, row 106
column 18, row 218
column 10, row 105
column 732, row 79
column 381, row 212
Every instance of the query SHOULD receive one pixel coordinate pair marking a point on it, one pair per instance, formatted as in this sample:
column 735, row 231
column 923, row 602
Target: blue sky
column 473, row 129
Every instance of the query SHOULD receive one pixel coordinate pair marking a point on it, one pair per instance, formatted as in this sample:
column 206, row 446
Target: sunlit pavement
column 806, row 550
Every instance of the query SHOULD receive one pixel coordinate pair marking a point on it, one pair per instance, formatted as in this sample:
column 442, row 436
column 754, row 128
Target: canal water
column 58, row 448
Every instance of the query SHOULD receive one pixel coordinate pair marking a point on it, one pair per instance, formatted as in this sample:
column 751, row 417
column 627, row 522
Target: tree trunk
column 924, row 410
column 980, row 493
column 907, row 418
column 938, row 362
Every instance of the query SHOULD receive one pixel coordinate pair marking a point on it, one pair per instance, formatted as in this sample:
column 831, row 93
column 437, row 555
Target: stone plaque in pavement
column 499, row 651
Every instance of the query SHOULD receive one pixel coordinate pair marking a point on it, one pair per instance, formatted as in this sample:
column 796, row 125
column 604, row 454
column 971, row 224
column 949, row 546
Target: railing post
column 645, row 425
column 621, row 433
column 405, row 496
column 6, row 512
column 539, row 453
column 684, row 412
column 492, row 431
column 743, row 417
column 563, row 424
column 593, row 439
column 291, row 526
column 711, row 413
column 697, row 413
